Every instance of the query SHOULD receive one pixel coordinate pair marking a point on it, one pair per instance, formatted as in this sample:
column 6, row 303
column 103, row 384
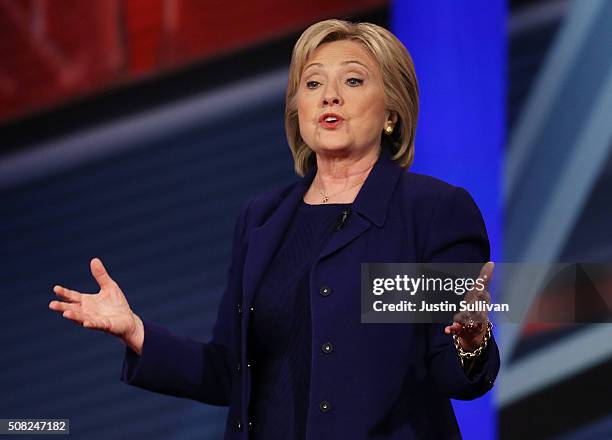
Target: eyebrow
column 344, row 63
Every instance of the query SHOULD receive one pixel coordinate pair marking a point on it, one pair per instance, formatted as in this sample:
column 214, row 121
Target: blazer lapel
column 265, row 239
column 354, row 226
column 370, row 206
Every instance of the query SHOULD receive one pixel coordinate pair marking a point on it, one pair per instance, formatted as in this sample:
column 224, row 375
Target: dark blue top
column 280, row 331
column 388, row 382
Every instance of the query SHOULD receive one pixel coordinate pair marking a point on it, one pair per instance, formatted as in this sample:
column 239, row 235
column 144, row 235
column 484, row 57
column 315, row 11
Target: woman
column 288, row 353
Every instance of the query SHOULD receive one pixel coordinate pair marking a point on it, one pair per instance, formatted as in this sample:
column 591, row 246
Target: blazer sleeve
column 457, row 234
column 180, row 366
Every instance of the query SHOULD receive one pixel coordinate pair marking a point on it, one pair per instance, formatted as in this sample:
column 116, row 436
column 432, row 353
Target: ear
column 392, row 117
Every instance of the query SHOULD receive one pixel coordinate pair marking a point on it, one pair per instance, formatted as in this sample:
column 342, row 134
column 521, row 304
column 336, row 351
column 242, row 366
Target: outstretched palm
column 107, row 310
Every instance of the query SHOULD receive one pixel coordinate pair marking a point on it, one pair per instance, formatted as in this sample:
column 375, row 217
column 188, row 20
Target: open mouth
column 330, row 120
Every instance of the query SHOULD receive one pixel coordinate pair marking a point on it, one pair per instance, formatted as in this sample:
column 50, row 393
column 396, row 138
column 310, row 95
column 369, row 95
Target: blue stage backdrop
column 459, row 50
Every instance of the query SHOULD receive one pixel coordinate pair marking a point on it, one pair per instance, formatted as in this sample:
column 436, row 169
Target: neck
column 335, row 172
column 339, row 179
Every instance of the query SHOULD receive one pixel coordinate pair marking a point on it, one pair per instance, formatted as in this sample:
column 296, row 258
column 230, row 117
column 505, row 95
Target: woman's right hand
column 107, row 310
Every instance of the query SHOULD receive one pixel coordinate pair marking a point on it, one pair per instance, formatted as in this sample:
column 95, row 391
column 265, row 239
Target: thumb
column 100, row 274
column 486, row 273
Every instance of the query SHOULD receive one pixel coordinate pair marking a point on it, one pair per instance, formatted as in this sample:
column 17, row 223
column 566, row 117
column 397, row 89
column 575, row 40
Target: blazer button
column 238, row 425
column 325, row 291
column 327, row 348
column 239, row 309
column 324, row 406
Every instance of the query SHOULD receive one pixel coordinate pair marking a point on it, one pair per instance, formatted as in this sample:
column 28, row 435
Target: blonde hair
column 399, row 80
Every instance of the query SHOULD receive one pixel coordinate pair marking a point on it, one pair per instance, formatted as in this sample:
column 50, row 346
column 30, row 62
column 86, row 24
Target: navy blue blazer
column 382, row 381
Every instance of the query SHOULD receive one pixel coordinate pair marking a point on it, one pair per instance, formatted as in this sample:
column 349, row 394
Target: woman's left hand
column 470, row 327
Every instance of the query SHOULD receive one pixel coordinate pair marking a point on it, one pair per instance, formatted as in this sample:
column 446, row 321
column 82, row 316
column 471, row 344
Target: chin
column 334, row 146
column 335, row 150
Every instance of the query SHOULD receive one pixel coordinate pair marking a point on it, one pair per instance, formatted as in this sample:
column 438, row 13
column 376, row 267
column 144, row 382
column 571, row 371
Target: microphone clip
column 344, row 215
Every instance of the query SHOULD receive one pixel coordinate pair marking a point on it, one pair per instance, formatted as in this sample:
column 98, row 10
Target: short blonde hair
column 398, row 75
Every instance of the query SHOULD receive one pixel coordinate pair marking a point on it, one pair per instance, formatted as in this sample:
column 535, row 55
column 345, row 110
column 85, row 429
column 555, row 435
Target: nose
column 331, row 97
column 332, row 100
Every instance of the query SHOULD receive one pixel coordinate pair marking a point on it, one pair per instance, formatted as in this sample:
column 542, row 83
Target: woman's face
column 340, row 100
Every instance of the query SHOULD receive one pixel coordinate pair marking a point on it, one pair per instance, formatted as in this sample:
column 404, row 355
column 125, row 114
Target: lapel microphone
column 344, row 215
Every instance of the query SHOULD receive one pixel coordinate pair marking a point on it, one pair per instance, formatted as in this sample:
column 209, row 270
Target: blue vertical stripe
column 459, row 50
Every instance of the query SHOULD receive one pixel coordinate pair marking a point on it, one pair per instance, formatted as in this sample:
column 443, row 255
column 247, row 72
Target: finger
column 455, row 328
column 83, row 320
column 486, row 273
column 78, row 317
column 60, row 306
column 67, row 294
column 73, row 315
column 475, row 329
column 475, row 318
column 90, row 324
column 100, row 274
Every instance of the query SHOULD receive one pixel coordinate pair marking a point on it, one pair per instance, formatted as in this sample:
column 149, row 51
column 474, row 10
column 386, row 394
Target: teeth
column 330, row 119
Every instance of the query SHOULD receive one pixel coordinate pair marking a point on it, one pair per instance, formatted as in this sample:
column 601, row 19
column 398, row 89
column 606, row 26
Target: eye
column 312, row 84
column 354, row 82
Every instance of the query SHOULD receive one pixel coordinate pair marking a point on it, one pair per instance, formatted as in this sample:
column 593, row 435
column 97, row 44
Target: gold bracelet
column 478, row 351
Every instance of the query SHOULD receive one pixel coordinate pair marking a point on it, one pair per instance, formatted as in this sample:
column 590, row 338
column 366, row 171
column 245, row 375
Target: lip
column 327, row 115
column 339, row 120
